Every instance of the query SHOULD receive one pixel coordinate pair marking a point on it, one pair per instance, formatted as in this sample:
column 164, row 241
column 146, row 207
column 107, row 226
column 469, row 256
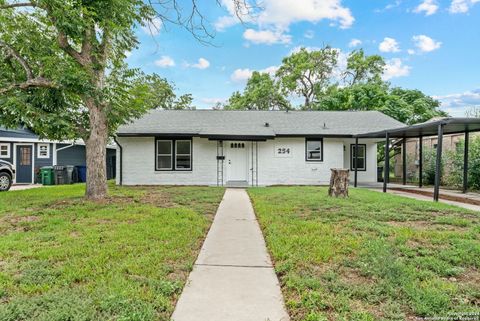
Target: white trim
column 15, row 161
column 8, row 150
column 36, row 140
column 39, row 150
column 54, row 151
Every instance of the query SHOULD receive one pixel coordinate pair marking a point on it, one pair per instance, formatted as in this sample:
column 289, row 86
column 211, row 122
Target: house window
column 361, row 159
column 43, row 151
column 314, row 150
column 183, row 155
column 164, row 155
column 4, row 150
column 172, row 154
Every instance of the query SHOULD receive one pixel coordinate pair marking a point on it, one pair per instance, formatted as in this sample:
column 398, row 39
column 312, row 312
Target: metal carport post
column 465, row 162
column 438, row 164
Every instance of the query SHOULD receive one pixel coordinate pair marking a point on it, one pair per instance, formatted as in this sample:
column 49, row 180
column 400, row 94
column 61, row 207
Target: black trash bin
column 60, row 174
column 71, row 174
column 380, row 174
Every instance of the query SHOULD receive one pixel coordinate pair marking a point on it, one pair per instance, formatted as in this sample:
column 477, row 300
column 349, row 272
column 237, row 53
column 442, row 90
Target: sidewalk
column 233, row 278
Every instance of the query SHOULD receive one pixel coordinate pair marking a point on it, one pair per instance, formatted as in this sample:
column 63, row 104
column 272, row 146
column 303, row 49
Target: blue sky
column 431, row 45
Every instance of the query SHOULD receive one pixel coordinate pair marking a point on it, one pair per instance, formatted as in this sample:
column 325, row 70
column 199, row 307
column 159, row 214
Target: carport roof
column 451, row 125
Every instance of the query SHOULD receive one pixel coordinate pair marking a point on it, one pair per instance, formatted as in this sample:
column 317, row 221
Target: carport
column 440, row 127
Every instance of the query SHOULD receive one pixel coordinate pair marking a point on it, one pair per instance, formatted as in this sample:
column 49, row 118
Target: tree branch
column 63, row 43
column 37, row 82
column 15, row 54
column 17, row 5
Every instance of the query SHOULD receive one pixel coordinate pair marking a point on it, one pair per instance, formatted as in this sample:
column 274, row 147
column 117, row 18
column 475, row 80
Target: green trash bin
column 47, row 174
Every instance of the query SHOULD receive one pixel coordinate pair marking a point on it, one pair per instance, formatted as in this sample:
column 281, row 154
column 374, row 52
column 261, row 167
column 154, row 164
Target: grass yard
column 372, row 256
column 127, row 258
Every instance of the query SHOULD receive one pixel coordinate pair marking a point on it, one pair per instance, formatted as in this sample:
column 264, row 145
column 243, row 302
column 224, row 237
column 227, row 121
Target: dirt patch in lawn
column 159, row 200
column 427, row 225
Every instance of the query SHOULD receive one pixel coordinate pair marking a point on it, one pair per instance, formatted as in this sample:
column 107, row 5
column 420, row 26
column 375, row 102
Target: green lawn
column 372, row 256
column 126, row 258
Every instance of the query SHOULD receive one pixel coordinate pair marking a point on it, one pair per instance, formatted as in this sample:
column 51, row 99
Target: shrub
column 454, row 175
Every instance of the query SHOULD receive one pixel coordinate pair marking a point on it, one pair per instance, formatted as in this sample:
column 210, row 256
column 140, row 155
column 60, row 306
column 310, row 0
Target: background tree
column 363, row 69
column 261, row 93
column 62, row 71
column 473, row 111
column 307, row 73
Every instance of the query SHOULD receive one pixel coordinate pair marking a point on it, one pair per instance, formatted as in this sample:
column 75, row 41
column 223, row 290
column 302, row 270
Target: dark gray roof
column 19, row 132
column 215, row 123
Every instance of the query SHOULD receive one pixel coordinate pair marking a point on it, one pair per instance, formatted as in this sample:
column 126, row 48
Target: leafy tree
column 307, row 74
column 405, row 105
column 473, row 112
column 261, row 93
column 62, row 69
column 362, row 68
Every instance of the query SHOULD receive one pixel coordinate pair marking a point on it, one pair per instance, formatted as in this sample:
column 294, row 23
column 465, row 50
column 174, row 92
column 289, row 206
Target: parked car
column 7, row 174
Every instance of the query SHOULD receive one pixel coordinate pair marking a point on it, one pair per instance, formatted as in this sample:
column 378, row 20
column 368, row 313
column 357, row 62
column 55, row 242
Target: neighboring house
column 449, row 144
column 206, row 147
column 23, row 148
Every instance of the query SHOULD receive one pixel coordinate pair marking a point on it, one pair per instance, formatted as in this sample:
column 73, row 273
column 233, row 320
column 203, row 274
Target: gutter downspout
column 120, row 161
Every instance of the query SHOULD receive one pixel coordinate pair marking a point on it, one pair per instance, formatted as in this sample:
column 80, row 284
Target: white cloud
column 468, row 98
column 428, row 6
column 389, row 6
column 461, row 6
column 309, row 34
column 274, row 17
column 354, row 43
column 411, row 51
column 425, row 43
column 268, row 37
column 164, row 62
column 153, row 27
column 201, row 64
column 213, row 100
column 242, row 75
column 224, row 22
column 389, row 45
column 395, row 68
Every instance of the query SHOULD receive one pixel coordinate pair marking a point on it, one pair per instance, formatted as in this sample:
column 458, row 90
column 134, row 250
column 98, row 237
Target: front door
column 24, row 164
column 237, row 162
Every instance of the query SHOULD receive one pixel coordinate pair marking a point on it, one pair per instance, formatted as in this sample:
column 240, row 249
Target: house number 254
column 283, row 151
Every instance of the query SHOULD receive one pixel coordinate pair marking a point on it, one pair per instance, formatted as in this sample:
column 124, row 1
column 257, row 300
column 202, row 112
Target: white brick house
column 208, row 147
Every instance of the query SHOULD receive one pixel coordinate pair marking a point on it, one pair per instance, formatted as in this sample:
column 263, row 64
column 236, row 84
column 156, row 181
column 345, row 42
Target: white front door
column 237, row 161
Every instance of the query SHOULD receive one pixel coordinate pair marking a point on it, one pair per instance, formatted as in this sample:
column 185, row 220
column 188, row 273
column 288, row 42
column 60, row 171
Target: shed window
column 4, row 150
column 314, row 150
column 43, row 151
column 172, row 154
column 361, row 159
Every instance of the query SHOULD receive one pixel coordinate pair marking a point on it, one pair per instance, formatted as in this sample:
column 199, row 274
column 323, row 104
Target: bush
column 429, row 168
column 454, row 160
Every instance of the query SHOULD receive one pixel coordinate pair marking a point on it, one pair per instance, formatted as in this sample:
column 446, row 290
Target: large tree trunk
column 96, row 146
column 339, row 182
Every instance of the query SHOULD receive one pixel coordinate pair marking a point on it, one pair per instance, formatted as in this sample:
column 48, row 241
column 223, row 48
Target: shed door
column 24, row 166
column 237, row 161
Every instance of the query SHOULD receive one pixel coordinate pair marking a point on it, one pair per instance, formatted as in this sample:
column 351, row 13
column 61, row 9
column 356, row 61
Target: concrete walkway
column 233, row 278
